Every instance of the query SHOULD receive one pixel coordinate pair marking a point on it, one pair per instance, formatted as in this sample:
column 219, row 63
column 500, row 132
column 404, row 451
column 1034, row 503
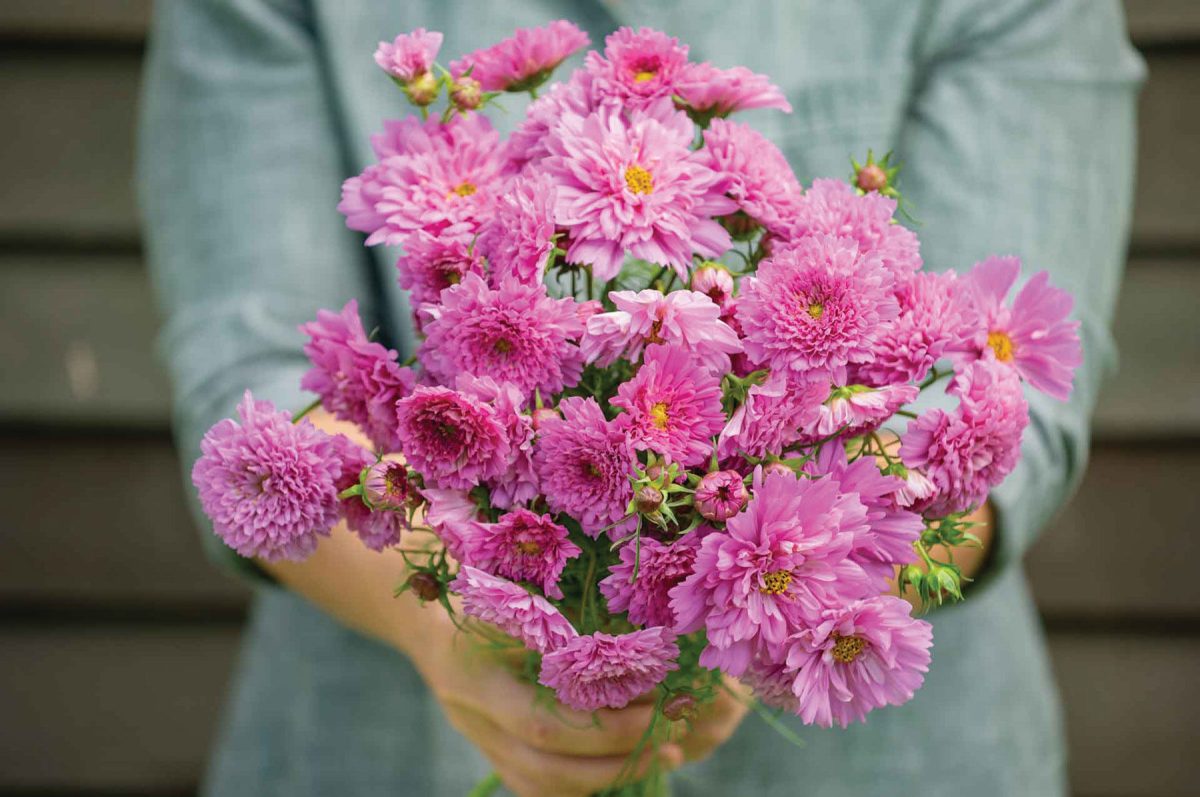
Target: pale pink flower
column 637, row 66
column 410, row 55
column 711, row 92
column 525, row 60
column 605, row 671
column 530, row 618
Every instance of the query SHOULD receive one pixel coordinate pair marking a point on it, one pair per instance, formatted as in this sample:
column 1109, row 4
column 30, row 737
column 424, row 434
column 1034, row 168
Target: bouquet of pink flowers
column 659, row 424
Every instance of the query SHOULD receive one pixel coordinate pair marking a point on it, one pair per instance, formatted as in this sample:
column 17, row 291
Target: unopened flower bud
column 720, row 495
column 648, row 499
column 466, row 93
column 543, row 414
column 871, row 177
column 679, row 707
column 739, row 225
column 422, row 90
column 425, row 585
column 776, row 467
column 714, row 281
column 386, row 486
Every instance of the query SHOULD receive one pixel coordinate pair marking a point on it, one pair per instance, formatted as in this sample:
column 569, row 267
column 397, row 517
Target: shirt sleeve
column 1021, row 134
column 240, row 165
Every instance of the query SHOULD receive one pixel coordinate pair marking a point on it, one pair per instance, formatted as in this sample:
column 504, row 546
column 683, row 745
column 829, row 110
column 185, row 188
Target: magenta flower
column 453, row 516
column 773, row 415
column 517, row 483
column 452, row 439
column 858, row 658
column 629, row 182
column 523, row 546
column 818, row 304
column 525, row 60
column 833, row 207
column 358, row 380
column 433, row 262
column 583, row 462
column 520, row 236
column 1034, row 335
column 530, row 618
column 688, row 319
column 660, row 566
column 780, row 562
column 267, row 484
column 410, row 55
column 439, row 179
column 969, row 451
column 637, row 66
column 378, row 525
column 759, row 178
column 720, row 495
column 932, row 324
column 858, row 409
column 673, row 407
column 515, row 333
column 604, row 671
column 711, row 92
column 386, row 486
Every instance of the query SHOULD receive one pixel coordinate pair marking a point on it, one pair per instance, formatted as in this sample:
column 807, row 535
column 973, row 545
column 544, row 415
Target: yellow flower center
column 1002, row 344
column 503, row 346
column 776, row 582
column 528, row 547
column 639, row 180
column 816, row 310
column 465, row 189
column 643, row 75
column 848, row 648
column 658, row 415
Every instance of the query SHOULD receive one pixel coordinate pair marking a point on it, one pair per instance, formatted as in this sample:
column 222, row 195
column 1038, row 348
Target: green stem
column 306, row 410
column 486, row 787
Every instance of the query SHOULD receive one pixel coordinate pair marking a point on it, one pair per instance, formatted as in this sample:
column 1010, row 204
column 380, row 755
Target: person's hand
column 540, row 748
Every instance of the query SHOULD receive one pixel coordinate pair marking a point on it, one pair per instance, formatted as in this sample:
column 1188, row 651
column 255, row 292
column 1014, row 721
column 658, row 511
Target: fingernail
column 671, row 755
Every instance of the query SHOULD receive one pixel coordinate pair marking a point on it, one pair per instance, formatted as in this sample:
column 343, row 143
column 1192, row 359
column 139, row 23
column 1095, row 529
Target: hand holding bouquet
column 660, row 424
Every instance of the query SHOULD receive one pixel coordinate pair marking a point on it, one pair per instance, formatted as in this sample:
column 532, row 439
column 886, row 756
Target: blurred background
column 116, row 638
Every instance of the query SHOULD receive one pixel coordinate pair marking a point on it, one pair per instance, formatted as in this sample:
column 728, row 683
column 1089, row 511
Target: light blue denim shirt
column 1015, row 122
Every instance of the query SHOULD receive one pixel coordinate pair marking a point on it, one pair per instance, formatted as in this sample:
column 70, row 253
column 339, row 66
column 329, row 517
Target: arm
column 1020, row 140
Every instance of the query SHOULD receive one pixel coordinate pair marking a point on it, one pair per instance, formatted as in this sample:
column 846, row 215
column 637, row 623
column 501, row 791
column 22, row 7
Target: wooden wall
column 116, row 640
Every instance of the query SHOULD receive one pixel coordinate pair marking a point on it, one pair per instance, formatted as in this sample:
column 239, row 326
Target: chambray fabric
column 1015, row 121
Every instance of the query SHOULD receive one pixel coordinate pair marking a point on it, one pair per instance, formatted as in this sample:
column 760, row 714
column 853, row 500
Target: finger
column 565, row 774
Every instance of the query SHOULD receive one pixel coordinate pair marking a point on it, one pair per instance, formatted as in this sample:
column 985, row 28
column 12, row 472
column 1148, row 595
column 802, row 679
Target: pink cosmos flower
column 888, row 536
column 1032, row 336
column 517, row 483
column 439, row 179
column 858, row 658
column 818, row 304
column 410, row 55
column 529, row 618
column 660, row 566
column 523, row 546
column 711, row 92
column 452, row 439
column 773, row 415
column 673, row 407
column 629, row 182
column 453, row 516
column 431, row 263
column 760, row 179
column 583, row 463
column 525, row 60
column 378, row 527
column 720, row 495
column 358, row 380
column 932, row 324
column 780, row 562
column 688, row 319
column 604, row 671
column 969, row 451
column 833, row 207
column 520, row 236
column 515, row 333
column 858, row 409
column 267, row 484
column 637, row 66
